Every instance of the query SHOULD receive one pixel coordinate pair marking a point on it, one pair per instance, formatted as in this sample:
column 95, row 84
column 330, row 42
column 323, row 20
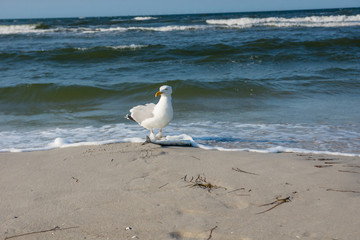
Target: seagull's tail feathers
column 130, row 117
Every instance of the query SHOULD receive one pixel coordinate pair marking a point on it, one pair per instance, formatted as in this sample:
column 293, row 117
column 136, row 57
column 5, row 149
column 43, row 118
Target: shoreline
column 60, row 143
column 134, row 191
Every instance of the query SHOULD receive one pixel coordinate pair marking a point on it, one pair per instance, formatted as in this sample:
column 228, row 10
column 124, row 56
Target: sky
column 92, row 8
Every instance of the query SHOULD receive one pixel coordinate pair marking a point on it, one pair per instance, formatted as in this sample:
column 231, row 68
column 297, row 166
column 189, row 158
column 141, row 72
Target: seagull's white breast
column 162, row 114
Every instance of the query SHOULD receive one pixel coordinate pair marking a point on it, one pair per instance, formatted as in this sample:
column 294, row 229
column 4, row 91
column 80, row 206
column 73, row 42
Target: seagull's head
column 164, row 90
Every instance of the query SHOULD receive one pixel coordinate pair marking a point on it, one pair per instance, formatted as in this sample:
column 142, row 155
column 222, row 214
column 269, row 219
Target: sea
column 280, row 81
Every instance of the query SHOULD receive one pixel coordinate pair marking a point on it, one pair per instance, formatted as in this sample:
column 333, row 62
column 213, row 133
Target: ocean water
column 257, row 81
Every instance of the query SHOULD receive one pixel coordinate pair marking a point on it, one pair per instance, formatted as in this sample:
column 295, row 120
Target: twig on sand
column 348, row 171
column 76, row 179
column 337, row 190
column 163, row 185
column 211, row 231
column 323, row 166
column 236, row 190
column 327, row 159
column 277, row 203
column 333, row 162
column 352, row 165
column 242, row 171
column 57, row 228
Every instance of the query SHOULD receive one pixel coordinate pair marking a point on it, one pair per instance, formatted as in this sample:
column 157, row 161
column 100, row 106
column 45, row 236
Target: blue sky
column 88, row 8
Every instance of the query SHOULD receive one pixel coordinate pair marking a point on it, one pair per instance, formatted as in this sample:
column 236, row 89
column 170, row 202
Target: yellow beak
column 158, row 93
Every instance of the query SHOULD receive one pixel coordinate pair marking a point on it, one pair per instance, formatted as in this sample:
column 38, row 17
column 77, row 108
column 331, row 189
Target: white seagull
column 152, row 116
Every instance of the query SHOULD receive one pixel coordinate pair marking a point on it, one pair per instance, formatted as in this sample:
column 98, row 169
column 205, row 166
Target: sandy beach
column 134, row 191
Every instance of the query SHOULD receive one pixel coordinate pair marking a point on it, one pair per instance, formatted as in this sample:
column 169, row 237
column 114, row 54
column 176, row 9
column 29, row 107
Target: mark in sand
column 242, row 171
column 211, row 231
column 57, row 228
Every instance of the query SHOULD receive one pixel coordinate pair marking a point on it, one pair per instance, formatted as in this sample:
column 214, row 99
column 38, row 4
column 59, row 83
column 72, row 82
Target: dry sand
column 130, row 191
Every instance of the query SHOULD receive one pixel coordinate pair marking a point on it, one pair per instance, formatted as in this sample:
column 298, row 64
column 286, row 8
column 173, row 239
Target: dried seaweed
column 276, row 203
column 200, row 182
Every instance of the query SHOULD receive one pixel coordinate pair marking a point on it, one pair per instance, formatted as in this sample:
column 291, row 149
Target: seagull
column 152, row 116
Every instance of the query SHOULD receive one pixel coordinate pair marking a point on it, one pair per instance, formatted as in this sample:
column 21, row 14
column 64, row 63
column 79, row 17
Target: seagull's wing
column 142, row 112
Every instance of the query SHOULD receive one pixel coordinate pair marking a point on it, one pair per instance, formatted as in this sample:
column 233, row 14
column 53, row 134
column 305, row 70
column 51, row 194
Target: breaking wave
column 144, row 18
column 24, row 28
column 90, row 26
column 264, row 138
column 41, row 28
column 311, row 21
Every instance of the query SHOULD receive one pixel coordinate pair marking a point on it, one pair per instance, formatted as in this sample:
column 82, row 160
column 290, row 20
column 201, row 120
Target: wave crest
column 23, row 28
column 144, row 18
column 311, row 21
column 35, row 93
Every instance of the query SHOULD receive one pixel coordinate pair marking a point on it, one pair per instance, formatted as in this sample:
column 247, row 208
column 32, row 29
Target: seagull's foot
column 159, row 136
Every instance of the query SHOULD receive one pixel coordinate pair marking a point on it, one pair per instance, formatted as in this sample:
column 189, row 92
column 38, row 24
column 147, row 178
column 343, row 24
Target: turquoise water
column 251, row 81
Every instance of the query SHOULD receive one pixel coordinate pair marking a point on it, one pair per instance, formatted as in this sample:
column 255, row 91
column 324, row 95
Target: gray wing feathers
column 142, row 112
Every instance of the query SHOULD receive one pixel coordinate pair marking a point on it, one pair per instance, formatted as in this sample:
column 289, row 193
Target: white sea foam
column 144, row 18
column 311, row 21
column 117, row 20
column 96, row 30
column 31, row 28
column 131, row 47
column 45, row 139
column 278, row 149
column 168, row 28
column 20, row 29
column 155, row 29
column 223, row 136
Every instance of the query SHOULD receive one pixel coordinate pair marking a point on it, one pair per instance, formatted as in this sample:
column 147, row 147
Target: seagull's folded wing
column 142, row 112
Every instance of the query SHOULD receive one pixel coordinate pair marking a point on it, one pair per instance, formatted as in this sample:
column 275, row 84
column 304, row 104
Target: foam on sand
column 223, row 136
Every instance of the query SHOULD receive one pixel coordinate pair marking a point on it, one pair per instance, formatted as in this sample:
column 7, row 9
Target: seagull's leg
column 152, row 136
column 159, row 135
